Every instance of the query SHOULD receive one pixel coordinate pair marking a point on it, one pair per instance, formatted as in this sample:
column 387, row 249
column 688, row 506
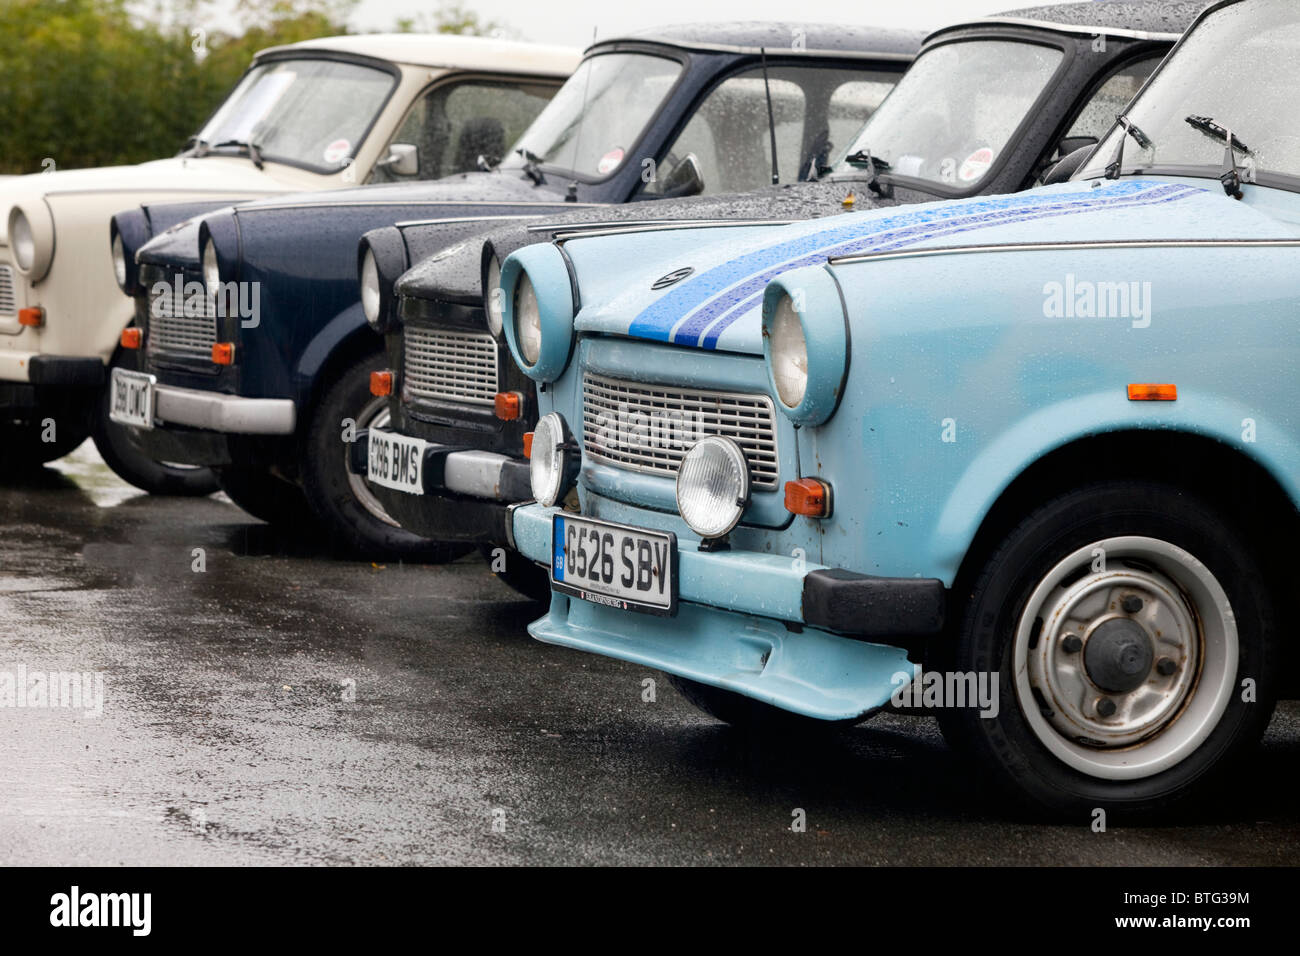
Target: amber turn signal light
column 528, row 444
column 808, row 496
column 509, row 406
column 1153, row 393
column 223, row 353
column 381, row 383
column 31, row 317
column 132, row 338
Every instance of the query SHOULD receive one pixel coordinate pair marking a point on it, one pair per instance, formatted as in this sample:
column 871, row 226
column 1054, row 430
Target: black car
column 273, row 401
column 989, row 107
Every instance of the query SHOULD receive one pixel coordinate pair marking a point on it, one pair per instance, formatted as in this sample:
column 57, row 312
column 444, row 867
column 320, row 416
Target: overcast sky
column 572, row 21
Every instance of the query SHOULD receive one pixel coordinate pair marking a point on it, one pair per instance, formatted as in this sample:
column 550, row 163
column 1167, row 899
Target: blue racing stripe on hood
column 708, row 303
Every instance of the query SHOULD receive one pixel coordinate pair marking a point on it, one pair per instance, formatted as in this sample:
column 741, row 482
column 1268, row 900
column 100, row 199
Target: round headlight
column 528, row 320
column 712, row 486
column 492, row 295
column 371, row 300
column 22, row 241
column 211, row 270
column 548, row 462
column 789, row 353
column 119, row 260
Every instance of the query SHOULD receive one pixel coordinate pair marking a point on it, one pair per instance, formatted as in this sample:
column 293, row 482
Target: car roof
column 443, row 50
column 1152, row 19
column 779, row 37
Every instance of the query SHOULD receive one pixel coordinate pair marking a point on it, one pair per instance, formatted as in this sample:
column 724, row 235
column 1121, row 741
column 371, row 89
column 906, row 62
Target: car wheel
column 343, row 501
column 529, row 579
column 1130, row 629
column 746, row 713
column 268, row 497
column 118, row 448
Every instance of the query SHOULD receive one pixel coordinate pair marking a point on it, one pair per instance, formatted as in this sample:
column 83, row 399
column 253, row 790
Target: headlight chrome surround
column 493, row 297
column 553, row 460
column 810, row 296
column 31, row 239
column 548, row 277
column 119, row 260
column 713, row 486
column 371, row 294
column 211, row 266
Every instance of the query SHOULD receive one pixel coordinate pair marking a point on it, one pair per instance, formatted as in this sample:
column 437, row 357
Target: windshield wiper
column 254, row 151
column 195, row 146
column 1115, row 168
column 873, row 165
column 1231, row 177
column 532, row 166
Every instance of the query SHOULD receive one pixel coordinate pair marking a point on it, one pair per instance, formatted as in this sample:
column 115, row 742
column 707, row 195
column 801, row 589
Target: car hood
column 717, row 305
column 453, row 275
column 457, row 190
column 181, row 173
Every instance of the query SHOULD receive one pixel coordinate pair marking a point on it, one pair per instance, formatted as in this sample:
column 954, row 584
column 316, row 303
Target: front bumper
column 467, row 492
column 61, row 371
column 819, row 642
column 230, row 414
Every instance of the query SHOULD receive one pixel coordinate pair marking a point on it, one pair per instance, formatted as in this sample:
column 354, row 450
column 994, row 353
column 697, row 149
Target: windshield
column 311, row 113
column 621, row 91
column 1237, row 70
column 953, row 112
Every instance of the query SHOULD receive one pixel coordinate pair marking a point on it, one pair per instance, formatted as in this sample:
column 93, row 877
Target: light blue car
column 1030, row 463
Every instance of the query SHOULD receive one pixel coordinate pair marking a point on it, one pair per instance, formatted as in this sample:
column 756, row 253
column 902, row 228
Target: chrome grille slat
column 450, row 365
column 171, row 330
column 8, row 294
column 681, row 416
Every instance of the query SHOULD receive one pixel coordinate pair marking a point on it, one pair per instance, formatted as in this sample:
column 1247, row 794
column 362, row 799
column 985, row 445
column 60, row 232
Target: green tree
column 86, row 83
column 452, row 18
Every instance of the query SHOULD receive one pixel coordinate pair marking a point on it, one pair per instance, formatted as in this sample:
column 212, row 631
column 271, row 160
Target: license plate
column 626, row 568
column 132, row 398
column 396, row 461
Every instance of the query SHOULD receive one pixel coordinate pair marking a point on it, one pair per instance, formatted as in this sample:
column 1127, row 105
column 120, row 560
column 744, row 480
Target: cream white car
column 315, row 115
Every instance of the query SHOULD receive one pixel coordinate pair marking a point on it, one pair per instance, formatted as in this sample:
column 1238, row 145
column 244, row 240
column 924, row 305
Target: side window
column 452, row 125
column 1098, row 115
column 815, row 109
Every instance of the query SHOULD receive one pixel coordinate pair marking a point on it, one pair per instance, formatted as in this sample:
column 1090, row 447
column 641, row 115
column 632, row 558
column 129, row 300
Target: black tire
column 746, row 714
column 525, row 577
column 267, row 497
column 1027, row 755
column 117, row 446
column 25, row 449
column 343, row 504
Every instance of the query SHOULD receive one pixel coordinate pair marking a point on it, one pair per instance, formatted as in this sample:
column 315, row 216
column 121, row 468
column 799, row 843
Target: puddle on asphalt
column 85, row 467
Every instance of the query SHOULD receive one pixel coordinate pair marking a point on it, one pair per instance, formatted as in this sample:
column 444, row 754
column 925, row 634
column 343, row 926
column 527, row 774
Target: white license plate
column 396, row 461
column 132, row 398
column 627, row 568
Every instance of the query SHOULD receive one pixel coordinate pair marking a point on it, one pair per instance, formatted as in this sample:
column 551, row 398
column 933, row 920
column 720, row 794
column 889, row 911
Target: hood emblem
column 671, row 279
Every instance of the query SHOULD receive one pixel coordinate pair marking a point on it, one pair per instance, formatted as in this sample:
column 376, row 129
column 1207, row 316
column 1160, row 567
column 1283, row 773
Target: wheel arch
column 344, row 340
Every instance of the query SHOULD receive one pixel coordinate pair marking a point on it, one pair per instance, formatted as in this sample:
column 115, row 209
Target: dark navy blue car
column 256, row 357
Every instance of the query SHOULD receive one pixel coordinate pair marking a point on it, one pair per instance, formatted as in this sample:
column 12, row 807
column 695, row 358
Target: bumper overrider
column 460, row 494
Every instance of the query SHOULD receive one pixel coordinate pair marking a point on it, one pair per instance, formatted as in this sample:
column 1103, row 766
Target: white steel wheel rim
column 374, row 415
column 1187, row 619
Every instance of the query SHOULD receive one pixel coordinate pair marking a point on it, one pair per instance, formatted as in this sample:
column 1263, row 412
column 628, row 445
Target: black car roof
column 751, row 36
column 1152, row 17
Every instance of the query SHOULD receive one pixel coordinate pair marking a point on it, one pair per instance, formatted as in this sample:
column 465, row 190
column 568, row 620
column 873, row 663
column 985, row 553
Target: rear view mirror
column 403, row 159
column 686, row 179
column 1067, row 167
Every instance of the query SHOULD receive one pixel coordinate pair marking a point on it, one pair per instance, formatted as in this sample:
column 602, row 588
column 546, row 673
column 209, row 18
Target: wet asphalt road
column 288, row 707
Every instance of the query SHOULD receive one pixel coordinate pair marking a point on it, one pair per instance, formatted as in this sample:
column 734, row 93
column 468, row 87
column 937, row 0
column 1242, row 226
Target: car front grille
column 182, row 328
column 449, row 365
column 8, row 297
column 649, row 428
